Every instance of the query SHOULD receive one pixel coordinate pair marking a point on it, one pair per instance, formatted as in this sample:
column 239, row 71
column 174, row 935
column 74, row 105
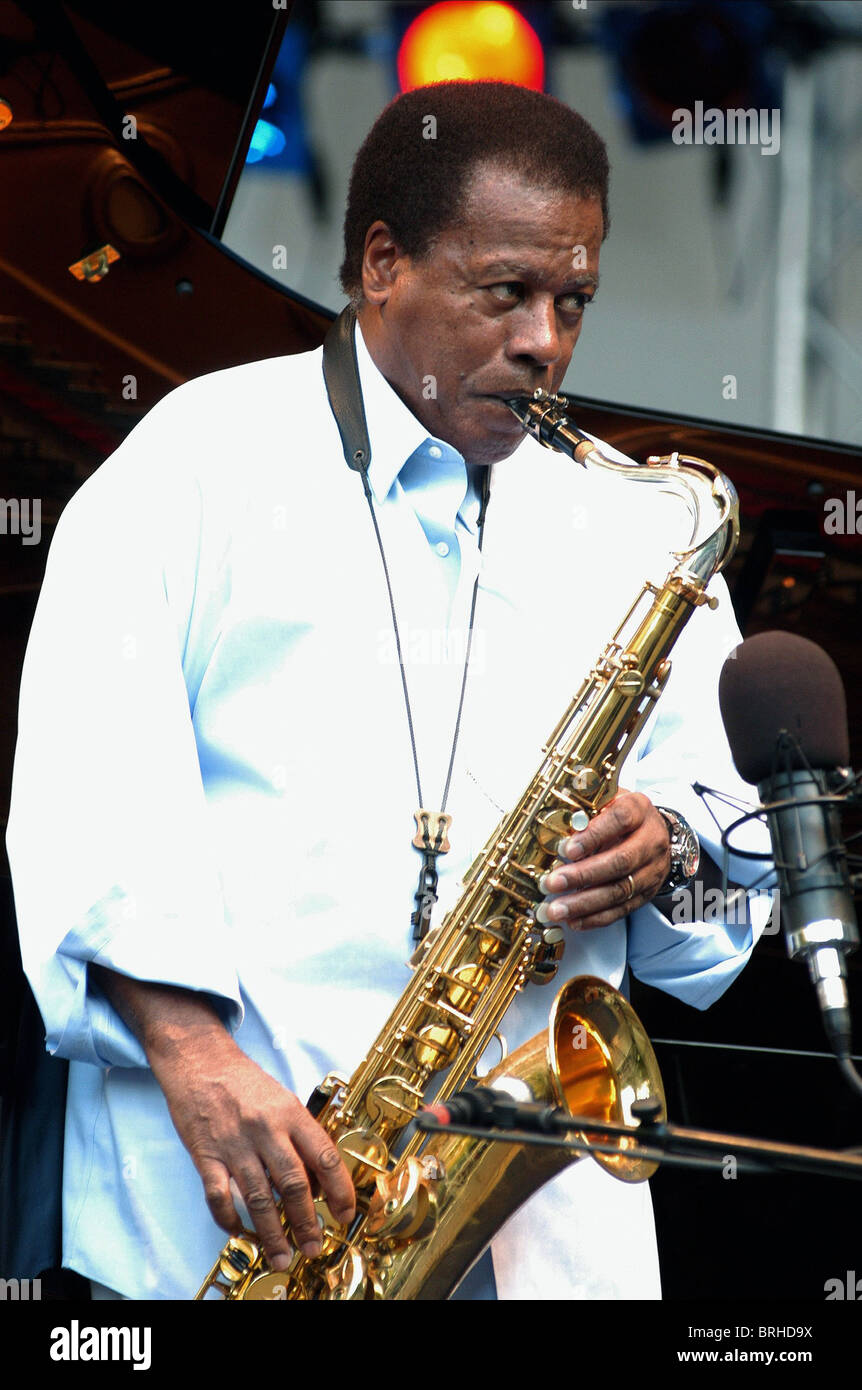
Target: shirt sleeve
column 700, row 948
column 107, row 835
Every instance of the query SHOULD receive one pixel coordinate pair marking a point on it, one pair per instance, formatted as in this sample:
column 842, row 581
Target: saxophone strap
column 341, row 376
column 344, row 389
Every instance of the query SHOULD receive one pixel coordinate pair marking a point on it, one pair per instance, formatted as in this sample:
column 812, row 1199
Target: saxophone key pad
column 274, row 1287
column 393, row 1101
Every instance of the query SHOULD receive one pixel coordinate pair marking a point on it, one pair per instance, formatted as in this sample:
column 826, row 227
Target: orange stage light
column 471, row 40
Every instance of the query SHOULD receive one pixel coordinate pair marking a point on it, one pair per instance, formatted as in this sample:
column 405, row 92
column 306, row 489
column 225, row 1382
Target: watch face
column 684, row 847
column 688, row 851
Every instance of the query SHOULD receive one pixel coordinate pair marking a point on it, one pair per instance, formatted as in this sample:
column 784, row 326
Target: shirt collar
column 395, row 431
column 397, row 434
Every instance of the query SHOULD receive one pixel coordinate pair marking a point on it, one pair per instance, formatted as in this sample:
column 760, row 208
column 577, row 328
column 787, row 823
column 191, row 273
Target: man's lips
column 510, row 394
column 505, row 419
column 502, row 398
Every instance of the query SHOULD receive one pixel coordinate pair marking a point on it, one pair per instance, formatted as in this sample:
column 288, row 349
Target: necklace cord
column 344, row 390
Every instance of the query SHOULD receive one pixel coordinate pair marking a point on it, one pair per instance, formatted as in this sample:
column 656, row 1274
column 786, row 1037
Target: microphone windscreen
column 777, row 681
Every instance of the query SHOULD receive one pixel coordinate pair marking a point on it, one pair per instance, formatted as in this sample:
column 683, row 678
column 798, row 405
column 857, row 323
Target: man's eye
column 506, row 289
column 574, row 303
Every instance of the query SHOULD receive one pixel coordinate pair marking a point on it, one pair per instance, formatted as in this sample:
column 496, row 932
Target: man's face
column 494, row 310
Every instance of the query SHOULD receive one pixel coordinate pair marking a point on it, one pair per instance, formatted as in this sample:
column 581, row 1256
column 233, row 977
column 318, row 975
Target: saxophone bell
column 594, row 1060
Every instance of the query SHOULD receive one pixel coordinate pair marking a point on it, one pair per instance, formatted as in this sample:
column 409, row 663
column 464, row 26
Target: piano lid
column 128, row 126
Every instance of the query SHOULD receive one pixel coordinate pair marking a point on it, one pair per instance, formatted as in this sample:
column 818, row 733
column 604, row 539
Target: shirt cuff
column 150, row 947
column 695, row 961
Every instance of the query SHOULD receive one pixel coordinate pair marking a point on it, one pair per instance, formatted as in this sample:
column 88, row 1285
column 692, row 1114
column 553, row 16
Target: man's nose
column 535, row 334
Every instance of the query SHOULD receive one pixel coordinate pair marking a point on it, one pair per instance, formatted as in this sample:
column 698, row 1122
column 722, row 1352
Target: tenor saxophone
column 428, row 1205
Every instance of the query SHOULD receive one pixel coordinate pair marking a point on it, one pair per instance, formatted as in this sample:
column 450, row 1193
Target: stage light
column 266, row 142
column 472, row 41
column 668, row 56
column 280, row 139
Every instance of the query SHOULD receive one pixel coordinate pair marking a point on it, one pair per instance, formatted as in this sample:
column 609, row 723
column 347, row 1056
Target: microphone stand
column 846, row 790
column 655, row 1141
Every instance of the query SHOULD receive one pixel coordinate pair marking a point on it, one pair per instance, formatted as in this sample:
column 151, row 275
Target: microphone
column 485, row 1108
column 784, row 710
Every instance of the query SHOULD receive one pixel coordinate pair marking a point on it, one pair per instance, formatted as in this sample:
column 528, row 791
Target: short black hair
column 414, row 165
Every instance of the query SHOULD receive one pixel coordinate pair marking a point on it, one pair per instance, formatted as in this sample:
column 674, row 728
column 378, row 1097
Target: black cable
column 850, row 1074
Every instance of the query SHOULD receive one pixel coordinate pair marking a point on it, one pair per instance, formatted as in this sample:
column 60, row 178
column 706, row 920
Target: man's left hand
column 617, row 864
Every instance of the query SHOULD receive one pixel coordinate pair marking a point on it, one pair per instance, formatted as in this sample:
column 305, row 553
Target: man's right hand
column 235, row 1120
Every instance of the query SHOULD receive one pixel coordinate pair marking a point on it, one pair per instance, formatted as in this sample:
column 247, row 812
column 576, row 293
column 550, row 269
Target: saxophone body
column 427, row 1205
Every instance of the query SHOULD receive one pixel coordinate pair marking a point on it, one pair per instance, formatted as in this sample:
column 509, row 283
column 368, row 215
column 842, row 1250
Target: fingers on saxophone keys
column 557, row 880
column 301, row 1216
column 256, row 1193
column 550, row 883
column 219, row 1196
column 322, row 1158
column 554, row 887
column 568, row 852
column 550, row 913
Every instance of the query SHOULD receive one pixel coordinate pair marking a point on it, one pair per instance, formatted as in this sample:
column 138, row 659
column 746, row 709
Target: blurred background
column 174, row 179
column 722, row 259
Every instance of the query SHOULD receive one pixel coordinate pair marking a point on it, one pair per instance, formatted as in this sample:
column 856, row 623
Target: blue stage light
column 266, row 142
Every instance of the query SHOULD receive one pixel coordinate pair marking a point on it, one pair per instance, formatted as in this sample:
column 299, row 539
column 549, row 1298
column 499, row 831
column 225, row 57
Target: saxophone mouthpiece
column 519, row 405
column 539, row 397
column 546, row 418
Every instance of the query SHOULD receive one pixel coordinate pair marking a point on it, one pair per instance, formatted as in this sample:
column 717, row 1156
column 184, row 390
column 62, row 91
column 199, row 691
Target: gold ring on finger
column 631, row 883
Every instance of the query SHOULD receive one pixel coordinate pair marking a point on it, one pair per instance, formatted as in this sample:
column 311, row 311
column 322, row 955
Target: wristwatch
column 684, row 851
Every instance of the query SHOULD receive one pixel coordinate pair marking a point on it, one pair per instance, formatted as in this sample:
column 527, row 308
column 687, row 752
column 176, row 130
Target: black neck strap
column 341, row 375
column 343, row 387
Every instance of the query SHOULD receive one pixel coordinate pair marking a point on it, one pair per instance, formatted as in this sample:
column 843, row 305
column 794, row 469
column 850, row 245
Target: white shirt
column 214, row 787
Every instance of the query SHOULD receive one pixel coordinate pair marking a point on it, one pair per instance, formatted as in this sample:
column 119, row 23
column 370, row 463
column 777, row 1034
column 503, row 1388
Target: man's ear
column 382, row 260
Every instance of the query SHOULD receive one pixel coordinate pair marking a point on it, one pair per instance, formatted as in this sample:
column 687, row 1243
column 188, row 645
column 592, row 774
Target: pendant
column 430, row 839
column 432, row 829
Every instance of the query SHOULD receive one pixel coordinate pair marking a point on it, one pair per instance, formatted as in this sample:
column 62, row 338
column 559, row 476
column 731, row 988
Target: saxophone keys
column 237, row 1258
column 556, row 826
column 364, row 1154
column 423, row 948
column 546, row 955
column 551, row 827
column 393, row 1101
column 349, row 1282
column 631, row 683
column 405, row 1205
column 495, row 937
column 332, row 1232
column 526, row 904
column 585, row 779
column 436, row 1046
column 465, row 985
column 273, row 1287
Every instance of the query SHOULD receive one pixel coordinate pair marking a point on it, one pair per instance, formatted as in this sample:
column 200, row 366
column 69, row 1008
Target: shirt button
column 442, row 548
column 436, row 453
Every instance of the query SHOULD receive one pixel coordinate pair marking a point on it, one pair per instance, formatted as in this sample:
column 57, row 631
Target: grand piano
column 123, row 133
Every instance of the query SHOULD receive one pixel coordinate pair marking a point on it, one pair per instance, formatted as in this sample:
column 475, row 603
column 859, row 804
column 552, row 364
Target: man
column 218, row 760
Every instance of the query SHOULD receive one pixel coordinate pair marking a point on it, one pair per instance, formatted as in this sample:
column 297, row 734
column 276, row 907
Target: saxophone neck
column 713, row 506
column 709, row 496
